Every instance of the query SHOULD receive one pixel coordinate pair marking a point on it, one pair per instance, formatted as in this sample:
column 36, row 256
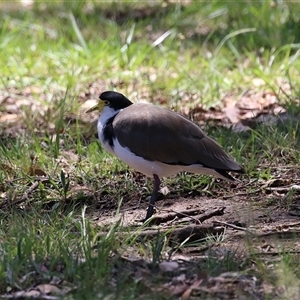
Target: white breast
column 106, row 114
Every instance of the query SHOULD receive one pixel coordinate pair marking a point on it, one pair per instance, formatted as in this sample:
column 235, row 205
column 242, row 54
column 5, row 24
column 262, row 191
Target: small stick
column 24, row 197
column 235, row 227
column 192, row 233
column 243, row 194
column 158, row 219
column 205, row 216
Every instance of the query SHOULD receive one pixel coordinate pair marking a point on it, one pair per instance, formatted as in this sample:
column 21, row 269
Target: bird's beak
column 99, row 107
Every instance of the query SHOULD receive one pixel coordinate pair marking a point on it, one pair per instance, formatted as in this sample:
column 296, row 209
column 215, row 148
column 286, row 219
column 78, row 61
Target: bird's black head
column 115, row 100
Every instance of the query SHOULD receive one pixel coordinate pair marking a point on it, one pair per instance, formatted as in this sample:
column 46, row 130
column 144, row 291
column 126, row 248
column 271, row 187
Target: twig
column 280, row 234
column 284, row 188
column 202, row 217
column 158, row 219
column 275, row 253
column 190, row 233
column 286, row 225
column 243, row 194
column 25, row 195
column 250, row 182
column 235, row 227
column 187, row 293
column 22, row 295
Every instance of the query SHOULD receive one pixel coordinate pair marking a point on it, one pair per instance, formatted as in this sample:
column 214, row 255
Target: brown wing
column 161, row 135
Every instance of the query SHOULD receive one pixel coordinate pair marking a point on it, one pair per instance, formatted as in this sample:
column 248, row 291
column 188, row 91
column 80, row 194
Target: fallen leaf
column 168, row 266
column 202, row 277
column 35, row 170
column 70, row 156
column 232, row 113
column 165, row 190
column 9, row 118
column 178, row 289
column 26, row 294
column 48, row 289
column 31, row 293
column 8, row 169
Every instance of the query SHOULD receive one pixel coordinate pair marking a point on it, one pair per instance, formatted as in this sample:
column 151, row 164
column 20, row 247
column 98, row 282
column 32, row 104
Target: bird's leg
column 156, row 184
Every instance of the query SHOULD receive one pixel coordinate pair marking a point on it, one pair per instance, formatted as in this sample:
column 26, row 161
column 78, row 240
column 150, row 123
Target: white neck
column 106, row 114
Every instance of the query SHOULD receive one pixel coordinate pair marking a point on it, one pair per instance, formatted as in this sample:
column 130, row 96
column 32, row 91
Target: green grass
column 57, row 55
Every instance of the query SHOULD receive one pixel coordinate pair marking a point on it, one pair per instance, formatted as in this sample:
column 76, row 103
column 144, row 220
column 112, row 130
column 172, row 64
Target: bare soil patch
column 255, row 223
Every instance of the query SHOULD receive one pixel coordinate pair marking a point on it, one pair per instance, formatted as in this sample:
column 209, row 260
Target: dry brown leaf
column 268, row 288
column 9, row 118
column 36, row 170
column 202, row 277
column 171, row 289
column 32, row 89
column 178, row 289
column 8, row 169
column 232, row 113
column 70, row 156
column 79, row 190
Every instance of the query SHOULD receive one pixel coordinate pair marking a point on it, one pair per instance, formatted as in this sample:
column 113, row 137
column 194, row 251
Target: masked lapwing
column 158, row 142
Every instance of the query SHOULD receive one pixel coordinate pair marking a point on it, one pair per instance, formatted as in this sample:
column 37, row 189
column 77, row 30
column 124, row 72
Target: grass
column 56, row 56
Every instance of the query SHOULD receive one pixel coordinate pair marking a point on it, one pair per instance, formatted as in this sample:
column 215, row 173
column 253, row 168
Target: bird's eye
column 106, row 102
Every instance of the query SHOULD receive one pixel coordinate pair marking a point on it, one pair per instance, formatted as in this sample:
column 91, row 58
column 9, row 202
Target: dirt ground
column 256, row 223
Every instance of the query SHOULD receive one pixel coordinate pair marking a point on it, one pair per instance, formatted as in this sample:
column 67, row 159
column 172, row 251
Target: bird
column 158, row 142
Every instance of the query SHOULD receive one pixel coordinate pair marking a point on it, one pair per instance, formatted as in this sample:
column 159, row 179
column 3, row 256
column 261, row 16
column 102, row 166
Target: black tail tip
column 241, row 171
